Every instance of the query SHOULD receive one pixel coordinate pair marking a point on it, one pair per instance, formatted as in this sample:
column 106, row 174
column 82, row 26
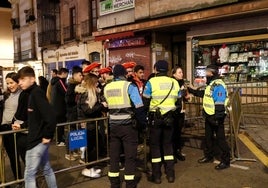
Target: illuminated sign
column 111, row 6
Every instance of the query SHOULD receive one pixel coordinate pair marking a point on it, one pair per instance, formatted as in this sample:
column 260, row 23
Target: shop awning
column 115, row 36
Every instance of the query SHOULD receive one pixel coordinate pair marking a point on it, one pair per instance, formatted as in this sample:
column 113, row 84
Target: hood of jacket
column 54, row 80
column 72, row 81
column 80, row 89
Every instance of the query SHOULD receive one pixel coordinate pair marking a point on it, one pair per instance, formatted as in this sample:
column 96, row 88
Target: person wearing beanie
column 93, row 68
column 105, row 75
column 160, row 95
column 124, row 103
column 129, row 66
column 215, row 99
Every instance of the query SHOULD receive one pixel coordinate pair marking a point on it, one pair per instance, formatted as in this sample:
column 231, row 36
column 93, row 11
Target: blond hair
column 90, row 83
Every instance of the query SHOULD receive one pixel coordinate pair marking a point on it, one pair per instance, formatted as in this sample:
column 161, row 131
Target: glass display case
column 237, row 62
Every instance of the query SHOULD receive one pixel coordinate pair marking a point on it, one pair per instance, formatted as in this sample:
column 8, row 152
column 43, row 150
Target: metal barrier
column 83, row 124
column 2, row 159
column 235, row 110
column 254, row 96
column 73, row 165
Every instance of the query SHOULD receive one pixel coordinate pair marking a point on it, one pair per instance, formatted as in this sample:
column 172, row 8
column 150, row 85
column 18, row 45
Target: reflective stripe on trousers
column 129, row 177
column 156, row 160
column 168, row 157
column 113, row 174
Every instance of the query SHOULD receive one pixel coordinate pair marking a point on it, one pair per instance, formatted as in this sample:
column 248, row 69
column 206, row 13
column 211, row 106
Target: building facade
column 69, row 25
column 24, row 25
column 190, row 34
column 6, row 45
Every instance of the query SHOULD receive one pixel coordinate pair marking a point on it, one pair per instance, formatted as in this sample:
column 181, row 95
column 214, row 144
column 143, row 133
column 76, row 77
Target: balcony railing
column 28, row 55
column 29, row 15
column 49, row 38
column 17, row 57
column 69, row 32
column 15, row 22
column 86, row 29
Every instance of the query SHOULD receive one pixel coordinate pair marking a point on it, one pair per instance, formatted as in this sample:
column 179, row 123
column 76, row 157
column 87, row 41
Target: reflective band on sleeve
column 219, row 103
column 113, row 174
column 146, row 96
column 118, row 117
column 209, row 105
column 156, row 160
column 129, row 177
column 168, row 157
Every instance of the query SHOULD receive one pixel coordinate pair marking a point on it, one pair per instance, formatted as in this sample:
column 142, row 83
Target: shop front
column 64, row 57
column 133, row 49
column 238, row 47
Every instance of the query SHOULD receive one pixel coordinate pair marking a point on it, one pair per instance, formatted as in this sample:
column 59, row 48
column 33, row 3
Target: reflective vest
column 116, row 94
column 208, row 102
column 161, row 85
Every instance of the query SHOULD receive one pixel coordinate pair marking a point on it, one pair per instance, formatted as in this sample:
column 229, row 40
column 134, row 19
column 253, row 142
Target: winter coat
column 71, row 100
column 22, row 109
column 58, row 98
column 83, row 109
column 41, row 117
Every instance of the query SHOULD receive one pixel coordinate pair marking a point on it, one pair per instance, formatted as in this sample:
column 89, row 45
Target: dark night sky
column 5, row 3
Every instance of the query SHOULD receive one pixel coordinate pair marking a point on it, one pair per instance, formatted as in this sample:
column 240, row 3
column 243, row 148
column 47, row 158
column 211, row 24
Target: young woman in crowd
column 90, row 104
column 179, row 115
column 14, row 116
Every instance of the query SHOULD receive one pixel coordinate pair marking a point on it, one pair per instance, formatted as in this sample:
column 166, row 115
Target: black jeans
column 128, row 136
column 9, row 144
column 160, row 139
column 178, row 125
column 212, row 127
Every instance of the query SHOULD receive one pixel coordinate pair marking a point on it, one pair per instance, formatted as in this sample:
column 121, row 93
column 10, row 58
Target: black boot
column 206, row 160
column 179, row 156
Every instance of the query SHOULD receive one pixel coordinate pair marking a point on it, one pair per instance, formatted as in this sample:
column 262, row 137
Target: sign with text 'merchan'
column 77, row 139
column 111, row 6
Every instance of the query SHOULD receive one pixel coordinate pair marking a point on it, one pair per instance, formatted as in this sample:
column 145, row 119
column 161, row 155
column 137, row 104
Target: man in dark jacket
column 59, row 89
column 71, row 103
column 41, row 127
column 70, row 97
column 215, row 99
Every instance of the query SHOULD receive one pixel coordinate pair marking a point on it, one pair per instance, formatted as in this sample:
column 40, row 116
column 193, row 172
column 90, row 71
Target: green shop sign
column 111, row 6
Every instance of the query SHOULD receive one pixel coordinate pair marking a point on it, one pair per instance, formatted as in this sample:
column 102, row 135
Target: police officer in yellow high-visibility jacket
column 160, row 94
column 215, row 98
column 125, row 105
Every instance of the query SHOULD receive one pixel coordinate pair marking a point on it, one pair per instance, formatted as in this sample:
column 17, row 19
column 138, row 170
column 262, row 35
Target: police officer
column 124, row 103
column 215, row 98
column 160, row 94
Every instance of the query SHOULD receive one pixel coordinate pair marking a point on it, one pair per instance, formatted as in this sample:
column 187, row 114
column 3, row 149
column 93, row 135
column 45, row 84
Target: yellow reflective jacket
column 208, row 101
column 161, row 85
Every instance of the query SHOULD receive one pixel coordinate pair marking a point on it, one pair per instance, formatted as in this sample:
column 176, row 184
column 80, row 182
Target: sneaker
column 60, row 144
column 75, row 154
column 121, row 166
column 70, row 157
column 82, row 161
column 90, row 173
column 97, row 170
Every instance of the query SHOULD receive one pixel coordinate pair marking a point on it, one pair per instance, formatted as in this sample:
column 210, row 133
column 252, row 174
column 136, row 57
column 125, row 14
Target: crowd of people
column 134, row 105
